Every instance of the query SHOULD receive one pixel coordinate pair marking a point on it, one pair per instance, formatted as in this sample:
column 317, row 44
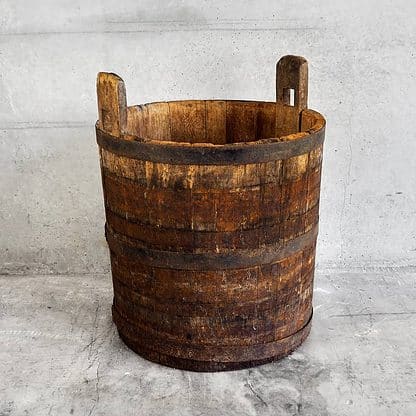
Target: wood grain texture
column 112, row 104
column 211, row 219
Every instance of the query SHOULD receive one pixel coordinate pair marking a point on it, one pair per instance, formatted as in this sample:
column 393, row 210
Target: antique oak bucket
column 211, row 220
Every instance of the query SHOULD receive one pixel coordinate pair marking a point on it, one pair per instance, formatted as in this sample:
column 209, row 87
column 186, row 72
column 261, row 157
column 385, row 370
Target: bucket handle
column 112, row 103
column 292, row 74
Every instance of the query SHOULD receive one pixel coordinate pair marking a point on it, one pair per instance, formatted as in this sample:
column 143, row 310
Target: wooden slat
column 159, row 122
column 241, row 121
column 136, row 121
column 291, row 74
column 187, row 120
column 266, row 121
column 112, row 105
column 216, row 132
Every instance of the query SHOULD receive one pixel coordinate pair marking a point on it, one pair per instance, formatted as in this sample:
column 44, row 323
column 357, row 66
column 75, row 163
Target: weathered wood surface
column 212, row 213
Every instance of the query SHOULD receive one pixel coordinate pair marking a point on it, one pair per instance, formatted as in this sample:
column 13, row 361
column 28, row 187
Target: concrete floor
column 60, row 354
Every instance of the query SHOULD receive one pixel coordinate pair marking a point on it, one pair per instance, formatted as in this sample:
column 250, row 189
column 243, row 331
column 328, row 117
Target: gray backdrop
column 362, row 78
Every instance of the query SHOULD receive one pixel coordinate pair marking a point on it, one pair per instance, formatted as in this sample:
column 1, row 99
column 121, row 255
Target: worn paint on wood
column 212, row 213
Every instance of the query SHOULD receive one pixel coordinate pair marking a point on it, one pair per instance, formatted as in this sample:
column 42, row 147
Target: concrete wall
column 362, row 58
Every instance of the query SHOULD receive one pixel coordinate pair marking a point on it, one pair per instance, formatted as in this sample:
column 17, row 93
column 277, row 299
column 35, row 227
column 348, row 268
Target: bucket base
column 281, row 348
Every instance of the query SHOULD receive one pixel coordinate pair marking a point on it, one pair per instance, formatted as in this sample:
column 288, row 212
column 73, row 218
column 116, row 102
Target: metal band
column 197, row 154
column 234, row 259
column 227, row 354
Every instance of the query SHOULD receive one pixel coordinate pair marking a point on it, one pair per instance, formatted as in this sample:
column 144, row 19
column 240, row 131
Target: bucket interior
column 215, row 122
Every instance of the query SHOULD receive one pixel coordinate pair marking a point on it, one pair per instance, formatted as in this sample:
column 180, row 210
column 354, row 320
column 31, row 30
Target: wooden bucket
column 211, row 220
